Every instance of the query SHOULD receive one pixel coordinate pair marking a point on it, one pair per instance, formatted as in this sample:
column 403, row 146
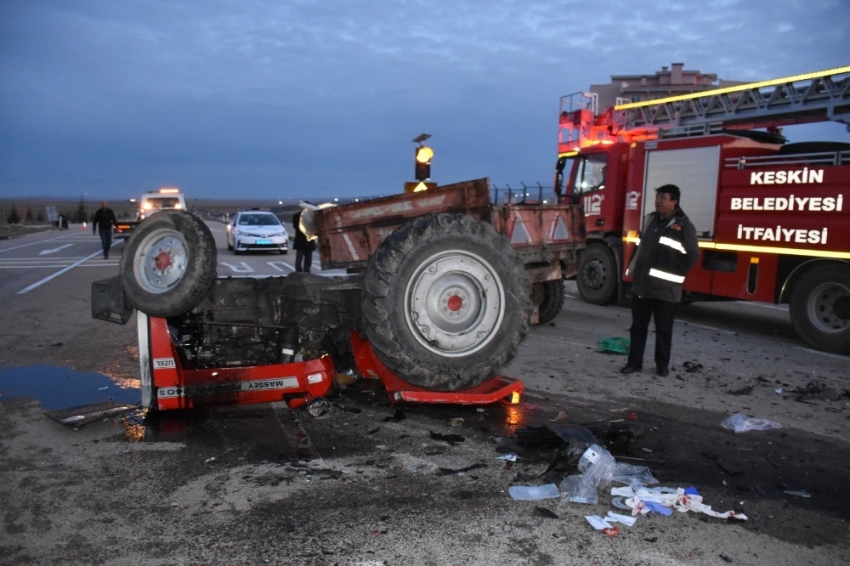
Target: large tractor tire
column 597, row 277
column 169, row 263
column 445, row 302
column 820, row 308
column 548, row 297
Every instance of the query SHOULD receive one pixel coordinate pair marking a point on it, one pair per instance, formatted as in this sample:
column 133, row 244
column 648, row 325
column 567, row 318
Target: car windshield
column 258, row 220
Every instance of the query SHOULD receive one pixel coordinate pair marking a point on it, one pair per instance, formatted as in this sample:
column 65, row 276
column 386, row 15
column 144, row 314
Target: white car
column 256, row 230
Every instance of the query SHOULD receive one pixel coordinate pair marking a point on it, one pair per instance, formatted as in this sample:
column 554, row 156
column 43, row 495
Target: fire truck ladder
column 811, row 97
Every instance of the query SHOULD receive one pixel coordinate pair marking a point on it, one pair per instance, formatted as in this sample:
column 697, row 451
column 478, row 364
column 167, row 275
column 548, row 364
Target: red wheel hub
column 455, row 303
column 163, row 260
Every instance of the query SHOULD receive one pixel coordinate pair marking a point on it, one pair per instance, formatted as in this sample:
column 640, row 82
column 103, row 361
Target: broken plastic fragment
column 598, row 522
column 533, row 492
column 743, row 423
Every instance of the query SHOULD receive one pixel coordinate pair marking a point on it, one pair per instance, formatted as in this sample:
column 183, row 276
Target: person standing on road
column 104, row 220
column 667, row 249
column 303, row 247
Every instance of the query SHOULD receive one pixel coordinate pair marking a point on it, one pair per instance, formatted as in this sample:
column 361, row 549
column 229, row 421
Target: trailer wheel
column 445, row 302
column 169, row 263
column 548, row 296
column 820, row 308
column 597, row 275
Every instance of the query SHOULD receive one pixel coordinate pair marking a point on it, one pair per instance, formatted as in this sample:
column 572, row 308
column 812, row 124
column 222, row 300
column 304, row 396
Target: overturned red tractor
column 442, row 285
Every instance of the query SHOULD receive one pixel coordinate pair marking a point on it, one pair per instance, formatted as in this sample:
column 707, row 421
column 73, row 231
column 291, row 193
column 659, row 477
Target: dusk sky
column 301, row 99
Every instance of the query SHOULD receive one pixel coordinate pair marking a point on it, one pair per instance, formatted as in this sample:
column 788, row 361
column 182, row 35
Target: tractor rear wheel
column 445, row 302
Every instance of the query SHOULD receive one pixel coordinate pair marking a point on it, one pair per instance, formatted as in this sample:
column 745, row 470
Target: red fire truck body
column 773, row 219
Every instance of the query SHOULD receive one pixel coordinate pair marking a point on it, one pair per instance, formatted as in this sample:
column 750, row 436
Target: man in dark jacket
column 104, row 220
column 303, row 247
column 668, row 248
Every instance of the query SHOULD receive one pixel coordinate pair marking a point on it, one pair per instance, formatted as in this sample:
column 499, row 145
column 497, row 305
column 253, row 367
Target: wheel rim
column 821, row 307
column 456, row 303
column 594, row 274
column 161, row 261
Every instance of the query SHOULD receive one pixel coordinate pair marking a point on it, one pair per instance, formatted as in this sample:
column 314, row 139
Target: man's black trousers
column 663, row 313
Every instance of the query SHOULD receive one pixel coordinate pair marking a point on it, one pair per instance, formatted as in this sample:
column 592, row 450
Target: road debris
column 742, row 423
column 534, row 492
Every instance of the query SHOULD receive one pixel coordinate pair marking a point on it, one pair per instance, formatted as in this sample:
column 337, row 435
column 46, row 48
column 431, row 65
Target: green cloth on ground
column 614, row 344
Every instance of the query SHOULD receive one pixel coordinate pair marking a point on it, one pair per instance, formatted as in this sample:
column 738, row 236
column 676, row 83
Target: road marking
column 279, row 265
column 245, row 268
column 34, row 243
column 54, row 250
column 57, row 274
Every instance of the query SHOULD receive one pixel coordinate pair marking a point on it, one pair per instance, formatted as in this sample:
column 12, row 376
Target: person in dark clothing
column 667, row 249
column 303, row 247
column 104, row 220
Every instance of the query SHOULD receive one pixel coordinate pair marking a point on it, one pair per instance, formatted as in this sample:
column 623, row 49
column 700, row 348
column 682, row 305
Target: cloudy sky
column 299, row 98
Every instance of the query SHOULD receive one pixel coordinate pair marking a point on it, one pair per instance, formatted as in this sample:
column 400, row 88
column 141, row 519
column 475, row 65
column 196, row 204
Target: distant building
column 666, row 82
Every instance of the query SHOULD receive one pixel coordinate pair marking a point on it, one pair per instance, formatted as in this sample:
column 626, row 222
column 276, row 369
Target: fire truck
column 773, row 218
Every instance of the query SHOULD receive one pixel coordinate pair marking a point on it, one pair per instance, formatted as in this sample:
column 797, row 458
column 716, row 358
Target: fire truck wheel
column 820, row 308
column 597, row 275
column 169, row 263
column 445, row 302
column 548, row 296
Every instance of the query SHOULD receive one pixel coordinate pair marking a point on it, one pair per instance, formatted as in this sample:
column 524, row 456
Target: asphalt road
column 367, row 484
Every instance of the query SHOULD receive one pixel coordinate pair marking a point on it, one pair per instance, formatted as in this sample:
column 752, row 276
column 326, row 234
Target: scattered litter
column 543, row 512
column 692, row 367
column 374, row 430
column 208, row 460
column 534, row 492
column 611, row 531
column 742, row 391
column 451, row 472
column 450, row 438
column 725, row 558
column 507, row 457
column 816, row 391
column 653, row 539
column 612, row 517
column 797, row 493
column 614, row 345
column 632, row 416
column 598, row 522
column 103, row 388
column 743, row 423
column 562, row 416
column 646, row 499
column 456, row 422
column 597, row 465
column 84, row 414
column 778, row 390
column 657, row 508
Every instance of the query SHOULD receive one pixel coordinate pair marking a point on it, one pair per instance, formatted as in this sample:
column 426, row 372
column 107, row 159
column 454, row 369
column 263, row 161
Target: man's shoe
column 630, row 368
column 662, row 371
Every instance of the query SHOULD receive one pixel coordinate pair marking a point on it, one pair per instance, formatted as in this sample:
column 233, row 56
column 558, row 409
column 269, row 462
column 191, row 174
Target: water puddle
column 60, row 388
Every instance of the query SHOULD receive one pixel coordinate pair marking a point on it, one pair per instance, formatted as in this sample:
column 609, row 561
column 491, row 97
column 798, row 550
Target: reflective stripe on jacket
column 664, row 254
